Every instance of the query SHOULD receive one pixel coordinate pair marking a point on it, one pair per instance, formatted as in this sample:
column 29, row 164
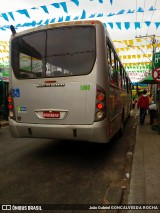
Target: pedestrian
column 152, row 112
column 143, row 105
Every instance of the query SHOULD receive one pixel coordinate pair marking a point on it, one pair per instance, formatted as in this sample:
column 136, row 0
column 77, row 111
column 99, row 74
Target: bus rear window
column 65, row 51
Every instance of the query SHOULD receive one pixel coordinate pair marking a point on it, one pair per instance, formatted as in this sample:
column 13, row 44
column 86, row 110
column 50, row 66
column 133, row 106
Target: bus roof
column 58, row 24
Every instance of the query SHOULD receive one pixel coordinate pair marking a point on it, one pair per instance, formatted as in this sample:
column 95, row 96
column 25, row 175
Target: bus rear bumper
column 97, row 132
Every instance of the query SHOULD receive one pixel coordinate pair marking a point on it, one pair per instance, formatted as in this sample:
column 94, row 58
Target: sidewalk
column 145, row 174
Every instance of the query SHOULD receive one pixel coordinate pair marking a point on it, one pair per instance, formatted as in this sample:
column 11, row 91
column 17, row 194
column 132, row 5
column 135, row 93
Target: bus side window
column 123, row 80
column 128, row 84
column 113, row 71
column 119, row 80
column 111, row 79
column 120, row 75
column 108, row 52
column 117, row 73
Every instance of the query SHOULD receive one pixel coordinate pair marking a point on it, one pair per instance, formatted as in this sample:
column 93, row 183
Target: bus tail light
column 100, row 106
column 9, row 99
column 100, row 112
column 100, row 97
column 10, row 107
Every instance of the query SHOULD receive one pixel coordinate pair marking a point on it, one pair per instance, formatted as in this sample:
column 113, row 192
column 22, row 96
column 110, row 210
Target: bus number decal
column 85, row 87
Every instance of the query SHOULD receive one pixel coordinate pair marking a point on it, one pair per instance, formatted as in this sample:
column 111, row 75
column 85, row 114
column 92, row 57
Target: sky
column 125, row 20
column 76, row 8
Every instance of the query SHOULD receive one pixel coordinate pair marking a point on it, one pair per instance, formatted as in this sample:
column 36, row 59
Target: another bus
column 67, row 82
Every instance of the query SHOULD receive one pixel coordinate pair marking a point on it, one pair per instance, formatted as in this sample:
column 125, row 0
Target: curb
column 4, row 123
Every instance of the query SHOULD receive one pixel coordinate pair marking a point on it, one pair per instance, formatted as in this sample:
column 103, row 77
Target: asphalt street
column 45, row 171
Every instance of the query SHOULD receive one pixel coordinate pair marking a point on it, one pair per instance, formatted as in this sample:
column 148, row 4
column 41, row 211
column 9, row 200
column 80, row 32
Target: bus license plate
column 51, row 114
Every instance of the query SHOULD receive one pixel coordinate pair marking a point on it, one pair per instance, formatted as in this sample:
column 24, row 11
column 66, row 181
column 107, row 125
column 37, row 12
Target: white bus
column 67, row 82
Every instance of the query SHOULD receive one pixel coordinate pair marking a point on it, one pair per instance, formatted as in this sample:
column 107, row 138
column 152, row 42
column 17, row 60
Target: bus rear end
column 53, row 88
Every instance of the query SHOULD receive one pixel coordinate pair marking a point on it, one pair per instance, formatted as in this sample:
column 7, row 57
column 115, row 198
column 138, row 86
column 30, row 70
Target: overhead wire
column 143, row 15
column 152, row 15
column 136, row 17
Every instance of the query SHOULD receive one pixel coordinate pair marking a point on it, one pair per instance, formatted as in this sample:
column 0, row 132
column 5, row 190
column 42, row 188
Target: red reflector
column 50, row 82
column 10, row 106
column 100, row 97
column 99, row 105
column 92, row 22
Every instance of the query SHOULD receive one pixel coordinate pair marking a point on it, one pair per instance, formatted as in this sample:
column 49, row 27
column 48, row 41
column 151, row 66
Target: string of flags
column 112, row 25
column 63, row 11
column 84, row 14
column 63, row 5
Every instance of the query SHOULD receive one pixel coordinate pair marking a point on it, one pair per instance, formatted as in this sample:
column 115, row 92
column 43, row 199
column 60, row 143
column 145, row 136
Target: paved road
column 54, row 172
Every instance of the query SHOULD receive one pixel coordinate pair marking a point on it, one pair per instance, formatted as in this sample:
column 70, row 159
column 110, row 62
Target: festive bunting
column 76, row 18
column 100, row 15
column 111, row 14
column 23, row 12
column 60, row 19
column 45, row 9
column 56, row 5
column 92, row 15
column 83, row 15
column 131, row 11
column 63, row 4
column 68, row 18
column 138, row 56
column 34, row 8
column 129, row 47
column 148, row 23
column 52, row 21
column 137, row 25
column 140, row 10
column 111, row 25
column 132, row 44
column 118, row 25
column 39, row 23
column 157, row 24
column 127, row 25
column 47, row 22
column 4, row 15
column 11, row 15
column 76, row 2
column 121, row 12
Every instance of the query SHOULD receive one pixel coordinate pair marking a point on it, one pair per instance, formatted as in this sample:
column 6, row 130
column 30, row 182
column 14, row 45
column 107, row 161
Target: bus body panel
column 75, row 101
column 91, row 133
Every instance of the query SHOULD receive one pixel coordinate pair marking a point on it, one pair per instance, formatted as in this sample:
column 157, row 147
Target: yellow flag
column 131, row 42
column 139, row 39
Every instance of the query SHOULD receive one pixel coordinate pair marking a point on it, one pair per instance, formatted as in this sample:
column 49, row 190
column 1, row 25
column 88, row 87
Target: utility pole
column 153, row 42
